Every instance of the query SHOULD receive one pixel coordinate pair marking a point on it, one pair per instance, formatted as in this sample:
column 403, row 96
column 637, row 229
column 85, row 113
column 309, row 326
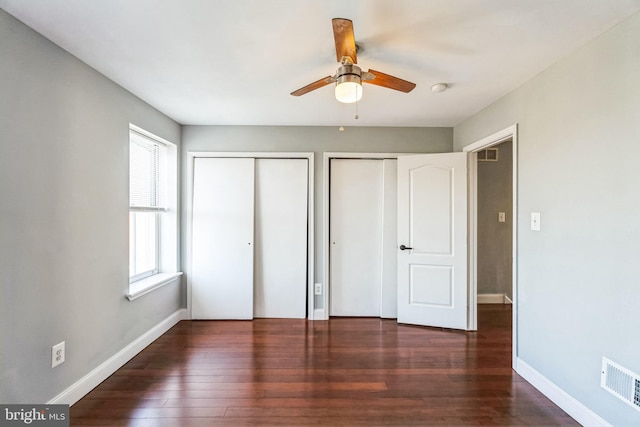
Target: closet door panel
column 356, row 214
column 281, row 238
column 222, row 251
column 389, row 279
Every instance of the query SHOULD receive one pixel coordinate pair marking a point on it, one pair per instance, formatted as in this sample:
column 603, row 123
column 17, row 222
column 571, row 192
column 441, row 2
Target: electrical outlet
column 57, row 354
column 317, row 290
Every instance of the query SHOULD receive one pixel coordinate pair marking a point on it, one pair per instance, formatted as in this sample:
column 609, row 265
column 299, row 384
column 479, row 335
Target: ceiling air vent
column 621, row 382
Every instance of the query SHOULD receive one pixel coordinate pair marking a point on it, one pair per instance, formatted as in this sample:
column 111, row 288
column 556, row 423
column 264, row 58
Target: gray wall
column 318, row 140
column 578, row 278
column 495, row 194
column 64, row 216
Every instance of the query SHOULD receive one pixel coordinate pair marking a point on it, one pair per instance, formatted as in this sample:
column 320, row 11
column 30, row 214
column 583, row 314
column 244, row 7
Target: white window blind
column 146, row 165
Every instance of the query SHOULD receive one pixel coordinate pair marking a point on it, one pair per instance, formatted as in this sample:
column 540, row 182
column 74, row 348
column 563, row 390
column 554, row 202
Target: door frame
column 472, row 149
column 323, row 313
column 188, row 210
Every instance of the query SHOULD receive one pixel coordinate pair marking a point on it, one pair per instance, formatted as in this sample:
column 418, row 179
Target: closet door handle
column 403, row 248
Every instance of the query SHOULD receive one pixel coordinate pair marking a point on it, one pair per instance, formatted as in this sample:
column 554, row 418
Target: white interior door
column 432, row 224
column 356, row 200
column 280, row 287
column 222, row 225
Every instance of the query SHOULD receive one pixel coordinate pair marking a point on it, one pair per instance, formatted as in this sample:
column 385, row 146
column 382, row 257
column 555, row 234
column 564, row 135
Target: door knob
column 403, row 247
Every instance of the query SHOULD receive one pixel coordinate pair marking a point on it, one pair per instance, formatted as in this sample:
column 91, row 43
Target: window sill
column 144, row 286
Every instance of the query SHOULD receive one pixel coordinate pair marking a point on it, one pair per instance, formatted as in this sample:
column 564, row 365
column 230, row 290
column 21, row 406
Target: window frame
column 164, row 206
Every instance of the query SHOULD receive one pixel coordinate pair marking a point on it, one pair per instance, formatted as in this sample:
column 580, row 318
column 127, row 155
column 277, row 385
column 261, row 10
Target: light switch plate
column 502, row 217
column 535, row 221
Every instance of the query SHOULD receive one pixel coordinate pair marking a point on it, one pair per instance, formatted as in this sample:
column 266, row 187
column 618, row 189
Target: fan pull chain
column 357, row 116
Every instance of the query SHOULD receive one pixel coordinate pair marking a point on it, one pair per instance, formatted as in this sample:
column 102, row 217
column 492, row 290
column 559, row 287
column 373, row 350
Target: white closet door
column 281, row 238
column 222, row 252
column 356, row 201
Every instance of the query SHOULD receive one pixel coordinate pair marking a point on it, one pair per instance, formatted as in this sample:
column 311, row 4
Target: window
column 152, row 210
column 147, row 173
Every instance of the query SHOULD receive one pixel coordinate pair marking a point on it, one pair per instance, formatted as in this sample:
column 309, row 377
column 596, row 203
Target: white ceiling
column 236, row 61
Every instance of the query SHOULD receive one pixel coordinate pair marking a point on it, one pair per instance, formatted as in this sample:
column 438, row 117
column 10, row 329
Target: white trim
column 472, row 260
column 318, row 314
column 87, row 383
column 146, row 209
column 325, row 237
column 144, row 286
column 507, row 300
column 564, row 400
column 311, row 233
column 510, row 132
column 149, row 135
column 491, row 298
column 514, row 244
column 192, row 155
column 375, row 156
column 492, row 139
column 254, row 154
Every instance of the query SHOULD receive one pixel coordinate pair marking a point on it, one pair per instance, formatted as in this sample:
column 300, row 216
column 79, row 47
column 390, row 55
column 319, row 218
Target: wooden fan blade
column 385, row 80
column 312, row 86
column 345, row 40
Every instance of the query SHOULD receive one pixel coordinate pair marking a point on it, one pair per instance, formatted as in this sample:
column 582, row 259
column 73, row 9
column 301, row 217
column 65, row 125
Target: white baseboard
column 507, row 300
column 491, row 298
column 564, row 400
column 318, row 314
column 87, row 383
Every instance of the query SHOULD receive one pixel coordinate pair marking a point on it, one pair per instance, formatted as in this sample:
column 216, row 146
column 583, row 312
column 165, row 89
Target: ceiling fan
column 349, row 76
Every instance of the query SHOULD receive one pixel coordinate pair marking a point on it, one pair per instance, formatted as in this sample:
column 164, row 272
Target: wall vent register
column 621, row 382
column 488, row 155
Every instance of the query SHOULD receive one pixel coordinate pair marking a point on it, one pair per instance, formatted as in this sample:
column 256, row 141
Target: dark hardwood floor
column 344, row 372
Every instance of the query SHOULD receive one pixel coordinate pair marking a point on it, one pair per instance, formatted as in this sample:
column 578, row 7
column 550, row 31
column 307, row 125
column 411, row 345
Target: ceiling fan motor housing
column 349, row 73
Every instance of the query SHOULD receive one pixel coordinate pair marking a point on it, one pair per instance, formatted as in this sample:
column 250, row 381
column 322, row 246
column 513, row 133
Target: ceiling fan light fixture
column 348, row 84
column 348, row 92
